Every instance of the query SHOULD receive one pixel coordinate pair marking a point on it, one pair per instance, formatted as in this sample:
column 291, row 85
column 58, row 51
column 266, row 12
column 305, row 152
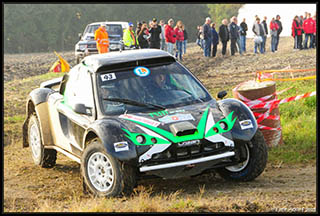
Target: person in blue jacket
column 215, row 39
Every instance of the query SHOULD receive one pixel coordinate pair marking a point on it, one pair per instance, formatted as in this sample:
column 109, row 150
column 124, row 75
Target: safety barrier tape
column 267, row 75
column 269, row 105
column 287, row 79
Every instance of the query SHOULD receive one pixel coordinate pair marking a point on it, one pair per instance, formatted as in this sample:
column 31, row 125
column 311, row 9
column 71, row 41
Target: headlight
column 82, row 46
column 141, row 139
column 223, row 125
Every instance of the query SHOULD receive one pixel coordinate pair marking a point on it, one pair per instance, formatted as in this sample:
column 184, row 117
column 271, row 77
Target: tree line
column 47, row 27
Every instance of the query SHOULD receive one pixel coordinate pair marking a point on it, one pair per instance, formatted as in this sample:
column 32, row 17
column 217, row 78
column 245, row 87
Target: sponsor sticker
column 121, row 146
column 175, row 118
column 107, row 77
column 165, row 112
column 245, row 124
column 140, row 119
column 189, row 143
column 141, row 71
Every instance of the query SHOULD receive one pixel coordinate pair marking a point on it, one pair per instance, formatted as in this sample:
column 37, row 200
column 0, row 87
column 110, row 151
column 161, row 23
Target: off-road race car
column 140, row 113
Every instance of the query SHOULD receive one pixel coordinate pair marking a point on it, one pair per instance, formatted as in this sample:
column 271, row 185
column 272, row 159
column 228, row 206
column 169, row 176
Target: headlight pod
column 220, row 127
column 144, row 139
column 223, row 125
column 141, row 139
column 82, row 46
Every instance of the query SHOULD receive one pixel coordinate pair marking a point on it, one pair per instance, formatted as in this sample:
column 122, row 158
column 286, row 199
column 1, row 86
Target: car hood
column 177, row 124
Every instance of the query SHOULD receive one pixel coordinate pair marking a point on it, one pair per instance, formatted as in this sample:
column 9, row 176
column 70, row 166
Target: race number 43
column 107, row 77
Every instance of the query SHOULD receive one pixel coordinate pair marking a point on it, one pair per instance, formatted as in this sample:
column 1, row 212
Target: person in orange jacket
column 102, row 38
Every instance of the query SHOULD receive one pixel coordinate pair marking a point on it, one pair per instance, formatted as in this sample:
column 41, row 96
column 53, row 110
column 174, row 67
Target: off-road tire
column 256, row 164
column 47, row 157
column 124, row 174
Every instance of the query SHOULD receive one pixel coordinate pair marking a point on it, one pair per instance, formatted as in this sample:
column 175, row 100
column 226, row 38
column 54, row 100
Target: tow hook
column 189, row 166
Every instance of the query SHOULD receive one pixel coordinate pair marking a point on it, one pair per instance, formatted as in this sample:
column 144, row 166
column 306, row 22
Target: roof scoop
column 183, row 128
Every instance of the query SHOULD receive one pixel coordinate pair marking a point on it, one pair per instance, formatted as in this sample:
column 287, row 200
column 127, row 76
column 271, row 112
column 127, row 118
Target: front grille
column 91, row 45
column 175, row 153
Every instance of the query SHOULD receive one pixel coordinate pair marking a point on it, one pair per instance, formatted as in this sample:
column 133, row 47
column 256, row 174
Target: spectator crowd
column 173, row 37
column 159, row 36
column 303, row 32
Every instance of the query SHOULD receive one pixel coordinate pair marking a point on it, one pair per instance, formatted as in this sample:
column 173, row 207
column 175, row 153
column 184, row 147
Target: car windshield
column 114, row 29
column 91, row 29
column 156, row 87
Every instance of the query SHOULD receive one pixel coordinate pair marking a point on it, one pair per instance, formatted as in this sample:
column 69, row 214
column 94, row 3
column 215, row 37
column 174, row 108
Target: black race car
column 135, row 114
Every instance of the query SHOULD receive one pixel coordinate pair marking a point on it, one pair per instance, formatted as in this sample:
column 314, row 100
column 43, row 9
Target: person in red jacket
column 314, row 31
column 178, row 30
column 274, row 27
column 297, row 33
column 309, row 29
column 170, row 36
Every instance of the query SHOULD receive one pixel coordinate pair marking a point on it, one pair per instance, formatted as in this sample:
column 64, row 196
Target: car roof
column 116, row 22
column 98, row 61
column 96, row 23
column 110, row 22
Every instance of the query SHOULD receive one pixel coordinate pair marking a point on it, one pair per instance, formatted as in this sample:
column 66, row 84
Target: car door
column 68, row 125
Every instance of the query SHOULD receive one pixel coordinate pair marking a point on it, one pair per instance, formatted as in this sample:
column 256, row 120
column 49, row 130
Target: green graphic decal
column 199, row 134
column 161, row 113
column 228, row 122
column 165, row 112
column 147, row 139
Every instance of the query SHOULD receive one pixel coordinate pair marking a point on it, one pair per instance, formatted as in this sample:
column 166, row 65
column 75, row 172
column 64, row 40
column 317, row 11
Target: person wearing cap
column 102, row 39
column 170, row 36
column 155, row 31
column 129, row 37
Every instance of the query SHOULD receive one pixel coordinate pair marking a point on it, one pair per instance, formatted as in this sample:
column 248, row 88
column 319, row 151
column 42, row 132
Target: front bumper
column 187, row 162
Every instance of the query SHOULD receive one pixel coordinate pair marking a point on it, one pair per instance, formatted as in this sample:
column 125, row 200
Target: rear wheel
column 44, row 157
column 103, row 175
column 254, row 161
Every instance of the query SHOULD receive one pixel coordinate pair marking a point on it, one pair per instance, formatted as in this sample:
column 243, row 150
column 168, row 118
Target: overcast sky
column 286, row 12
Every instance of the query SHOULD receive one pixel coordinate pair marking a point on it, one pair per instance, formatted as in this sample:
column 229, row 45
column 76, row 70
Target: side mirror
column 63, row 83
column 81, row 109
column 79, row 35
column 222, row 94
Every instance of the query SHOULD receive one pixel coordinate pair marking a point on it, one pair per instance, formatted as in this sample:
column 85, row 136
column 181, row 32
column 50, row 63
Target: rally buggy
column 140, row 113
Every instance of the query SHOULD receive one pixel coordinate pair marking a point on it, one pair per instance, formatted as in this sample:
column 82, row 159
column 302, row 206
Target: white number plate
column 107, row 77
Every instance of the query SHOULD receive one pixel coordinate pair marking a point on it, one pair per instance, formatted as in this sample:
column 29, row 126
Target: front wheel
column 253, row 164
column 103, row 175
column 46, row 158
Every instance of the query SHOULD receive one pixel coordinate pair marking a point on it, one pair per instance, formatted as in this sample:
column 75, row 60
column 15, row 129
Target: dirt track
column 280, row 188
